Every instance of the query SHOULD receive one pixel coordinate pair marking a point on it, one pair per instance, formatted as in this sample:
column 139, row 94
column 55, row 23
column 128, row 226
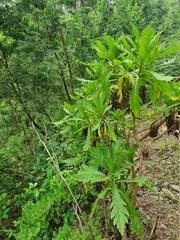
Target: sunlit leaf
column 135, row 99
column 170, row 50
column 119, row 212
column 90, row 174
column 162, row 76
column 87, row 143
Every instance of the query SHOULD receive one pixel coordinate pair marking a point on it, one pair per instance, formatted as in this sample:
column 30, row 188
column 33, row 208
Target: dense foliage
column 76, row 78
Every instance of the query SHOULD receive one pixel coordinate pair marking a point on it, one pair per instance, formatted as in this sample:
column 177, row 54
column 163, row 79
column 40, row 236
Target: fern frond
column 119, row 212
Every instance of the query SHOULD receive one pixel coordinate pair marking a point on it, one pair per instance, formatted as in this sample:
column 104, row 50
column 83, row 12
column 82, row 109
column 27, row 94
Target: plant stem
column 56, row 165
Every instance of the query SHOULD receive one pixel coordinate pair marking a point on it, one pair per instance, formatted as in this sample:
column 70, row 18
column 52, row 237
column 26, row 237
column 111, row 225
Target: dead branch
column 177, row 79
column 56, row 165
column 154, row 227
column 156, row 124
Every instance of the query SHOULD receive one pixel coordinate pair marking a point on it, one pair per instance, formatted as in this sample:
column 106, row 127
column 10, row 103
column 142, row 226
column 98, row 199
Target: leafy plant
column 105, row 111
column 109, row 166
column 45, row 208
column 4, row 206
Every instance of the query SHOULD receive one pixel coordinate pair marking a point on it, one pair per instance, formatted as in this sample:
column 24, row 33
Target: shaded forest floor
column 160, row 208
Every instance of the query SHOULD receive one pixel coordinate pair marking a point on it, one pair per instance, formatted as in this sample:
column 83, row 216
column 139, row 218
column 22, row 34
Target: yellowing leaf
column 99, row 132
column 105, row 129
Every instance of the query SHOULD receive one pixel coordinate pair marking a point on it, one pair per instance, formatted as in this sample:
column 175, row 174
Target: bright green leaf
column 135, row 99
column 119, row 212
column 89, row 174
column 162, row 77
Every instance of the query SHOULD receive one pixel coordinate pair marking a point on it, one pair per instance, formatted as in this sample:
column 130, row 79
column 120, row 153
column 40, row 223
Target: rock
column 148, row 217
column 161, row 198
column 169, row 193
column 140, row 193
column 155, row 189
column 165, row 184
column 177, row 213
column 153, row 198
column 163, row 226
column 155, row 183
column 175, row 187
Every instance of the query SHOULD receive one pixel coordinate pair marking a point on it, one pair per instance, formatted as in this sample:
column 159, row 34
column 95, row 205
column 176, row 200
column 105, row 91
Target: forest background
column 45, row 48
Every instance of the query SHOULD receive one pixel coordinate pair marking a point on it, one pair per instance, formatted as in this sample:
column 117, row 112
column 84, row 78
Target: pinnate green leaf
column 111, row 132
column 119, row 212
column 135, row 223
column 90, row 174
column 88, row 140
column 69, row 108
column 101, row 195
column 170, row 50
column 135, row 99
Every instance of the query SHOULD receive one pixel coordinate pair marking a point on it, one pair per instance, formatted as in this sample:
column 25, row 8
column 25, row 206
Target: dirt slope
column 160, row 208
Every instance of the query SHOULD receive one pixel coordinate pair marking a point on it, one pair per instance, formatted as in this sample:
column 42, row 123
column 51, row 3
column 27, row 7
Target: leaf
column 110, row 41
column 89, row 72
column 165, row 88
column 170, row 50
column 111, row 132
column 133, row 213
column 125, row 43
column 139, row 180
column 162, row 77
column 88, row 140
column 102, row 51
column 4, row 216
column 136, row 32
column 97, row 124
column 72, row 161
column 135, row 224
column 100, row 46
column 148, row 44
column 90, row 174
column 153, row 93
column 135, row 99
column 119, row 212
column 100, row 196
column 107, row 109
column 69, row 109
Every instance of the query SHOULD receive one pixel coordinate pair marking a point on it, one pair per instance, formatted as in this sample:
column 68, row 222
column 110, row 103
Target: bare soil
column 160, row 207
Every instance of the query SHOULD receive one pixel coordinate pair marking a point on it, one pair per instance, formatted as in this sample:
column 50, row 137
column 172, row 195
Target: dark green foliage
column 87, row 58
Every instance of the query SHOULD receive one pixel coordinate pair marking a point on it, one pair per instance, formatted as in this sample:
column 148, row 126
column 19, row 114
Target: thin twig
column 16, row 172
column 159, row 136
column 138, row 142
column 159, row 123
column 154, row 227
column 75, row 210
column 55, row 162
